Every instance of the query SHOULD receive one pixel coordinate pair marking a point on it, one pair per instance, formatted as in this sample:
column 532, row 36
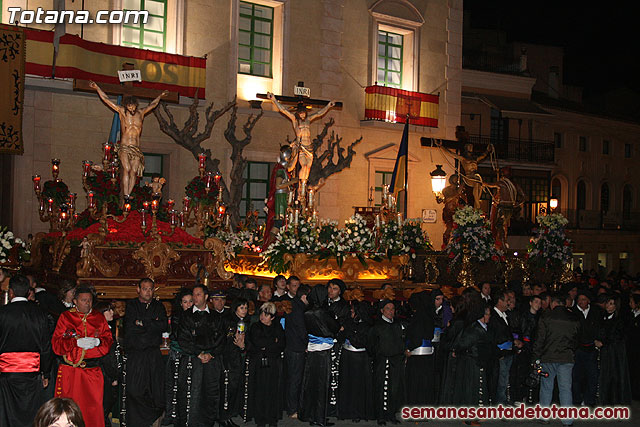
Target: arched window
column 626, row 202
column 581, row 197
column 604, row 198
column 556, row 189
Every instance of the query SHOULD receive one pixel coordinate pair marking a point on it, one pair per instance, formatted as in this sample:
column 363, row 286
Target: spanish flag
column 399, row 177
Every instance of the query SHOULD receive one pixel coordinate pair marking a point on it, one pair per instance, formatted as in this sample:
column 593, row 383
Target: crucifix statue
column 301, row 149
column 131, row 119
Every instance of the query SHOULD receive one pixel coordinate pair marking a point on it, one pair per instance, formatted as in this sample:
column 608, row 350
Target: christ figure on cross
column 131, row 118
column 301, row 149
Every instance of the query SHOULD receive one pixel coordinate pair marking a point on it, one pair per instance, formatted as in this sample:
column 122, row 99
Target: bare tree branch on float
column 237, row 161
column 323, row 157
column 189, row 138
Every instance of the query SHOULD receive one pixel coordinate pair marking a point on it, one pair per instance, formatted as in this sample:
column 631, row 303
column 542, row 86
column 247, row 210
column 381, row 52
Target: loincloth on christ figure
column 133, row 153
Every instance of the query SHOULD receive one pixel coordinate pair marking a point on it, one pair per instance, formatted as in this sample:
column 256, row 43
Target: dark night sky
column 601, row 44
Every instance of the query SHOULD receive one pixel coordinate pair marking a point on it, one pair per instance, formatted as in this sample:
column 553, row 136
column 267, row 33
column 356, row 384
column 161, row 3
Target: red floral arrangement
column 131, row 231
column 56, row 190
column 196, row 190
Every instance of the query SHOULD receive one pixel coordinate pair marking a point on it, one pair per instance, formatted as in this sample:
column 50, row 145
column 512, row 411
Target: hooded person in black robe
column 419, row 370
column 201, row 337
column 322, row 329
column 386, row 347
column 615, row 386
column 144, row 322
column 265, row 344
column 355, row 388
column 526, row 330
column 473, row 350
column 235, row 325
column 25, row 356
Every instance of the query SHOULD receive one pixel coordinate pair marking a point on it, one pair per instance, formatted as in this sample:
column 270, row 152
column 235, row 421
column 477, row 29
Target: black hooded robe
column 355, row 387
column 420, row 368
column 473, row 351
column 386, row 346
column 615, row 386
column 24, row 335
column 321, row 325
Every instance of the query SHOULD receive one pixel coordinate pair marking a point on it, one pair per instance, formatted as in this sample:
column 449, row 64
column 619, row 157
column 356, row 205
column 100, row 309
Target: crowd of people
column 263, row 352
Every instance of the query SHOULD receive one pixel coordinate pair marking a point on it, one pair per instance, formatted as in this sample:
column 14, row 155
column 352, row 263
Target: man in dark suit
column 501, row 335
column 585, row 370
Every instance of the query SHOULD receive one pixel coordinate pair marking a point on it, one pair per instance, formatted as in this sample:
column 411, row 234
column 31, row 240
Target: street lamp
column 438, row 181
column 553, row 203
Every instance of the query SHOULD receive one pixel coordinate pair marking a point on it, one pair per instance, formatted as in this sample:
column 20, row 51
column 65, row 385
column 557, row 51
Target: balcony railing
column 597, row 220
column 493, row 63
column 534, row 151
column 394, row 105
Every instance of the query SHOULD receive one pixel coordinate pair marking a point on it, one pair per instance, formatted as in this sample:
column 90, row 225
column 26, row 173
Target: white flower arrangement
column 550, row 249
column 471, row 228
column 7, row 241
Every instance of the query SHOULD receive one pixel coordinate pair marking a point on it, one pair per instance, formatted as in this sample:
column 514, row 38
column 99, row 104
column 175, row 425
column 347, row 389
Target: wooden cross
column 126, row 89
column 296, row 100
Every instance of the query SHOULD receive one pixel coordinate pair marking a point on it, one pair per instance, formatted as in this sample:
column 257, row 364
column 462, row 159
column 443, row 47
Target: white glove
column 88, row 343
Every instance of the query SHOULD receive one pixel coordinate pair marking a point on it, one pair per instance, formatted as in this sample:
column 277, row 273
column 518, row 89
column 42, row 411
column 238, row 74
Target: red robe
column 84, row 384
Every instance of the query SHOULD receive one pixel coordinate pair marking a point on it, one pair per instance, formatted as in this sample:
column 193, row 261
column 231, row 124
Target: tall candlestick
column 91, row 199
column 377, row 221
column 143, row 218
column 107, row 151
column 36, row 183
column 202, row 158
column 311, row 198
column 290, row 198
column 314, row 217
column 50, row 206
column 181, row 218
column 220, row 193
column 399, row 219
column 186, row 203
column 173, row 217
column 217, row 177
column 86, row 168
column 41, row 205
column 207, row 180
column 170, row 204
column 55, row 168
column 72, row 200
column 296, row 217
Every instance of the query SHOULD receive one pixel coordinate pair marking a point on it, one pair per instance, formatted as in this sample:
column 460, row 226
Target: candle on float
column 143, row 218
column 50, row 207
column 173, row 217
column 227, row 222
column 181, row 218
column 41, row 205
column 290, row 197
column 145, row 205
column 170, row 204
column 202, row 158
column 217, row 177
column 154, row 205
column 55, row 165
column 127, row 207
column 75, row 217
column 222, row 209
column 186, row 203
column 107, row 151
column 86, row 168
column 296, row 217
column 311, row 197
column 36, row 183
column 399, row 219
column 207, row 180
column 377, row 221
column 72, row 200
column 220, row 193
column 314, row 217
column 91, row 199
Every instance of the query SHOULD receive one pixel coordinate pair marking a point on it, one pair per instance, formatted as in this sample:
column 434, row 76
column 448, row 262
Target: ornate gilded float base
column 156, row 257
column 310, row 269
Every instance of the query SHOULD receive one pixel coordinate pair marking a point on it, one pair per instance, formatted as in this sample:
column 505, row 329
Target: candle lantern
column 170, row 204
column 145, row 205
column 91, row 199
column 86, row 168
column 36, row 183
column 202, row 158
column 154, row 205
column 221, row 210
column 217, row 177
column 55, row 168
column 126, row 207
column 186, row 202
column 207, row 180
column 50, row 206
column 72, row 201
column 143, row 218
column 107, row 151
column 181, row 218
column 173, row 217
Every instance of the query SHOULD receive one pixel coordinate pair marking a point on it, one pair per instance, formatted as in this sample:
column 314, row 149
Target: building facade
column 338, row 48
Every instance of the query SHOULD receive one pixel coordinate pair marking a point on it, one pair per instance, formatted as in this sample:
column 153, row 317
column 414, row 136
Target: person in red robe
column 82, row 337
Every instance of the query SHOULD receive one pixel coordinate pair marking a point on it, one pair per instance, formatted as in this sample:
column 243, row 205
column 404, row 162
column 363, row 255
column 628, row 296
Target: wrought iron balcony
column 598, row 220
column 517, row 150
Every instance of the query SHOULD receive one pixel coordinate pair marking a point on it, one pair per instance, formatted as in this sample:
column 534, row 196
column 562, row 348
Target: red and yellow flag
column 393, row 105
column 82, row 59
